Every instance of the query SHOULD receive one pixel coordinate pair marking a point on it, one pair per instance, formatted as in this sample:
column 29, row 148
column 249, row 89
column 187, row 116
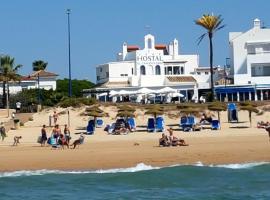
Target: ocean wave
column 137, row 168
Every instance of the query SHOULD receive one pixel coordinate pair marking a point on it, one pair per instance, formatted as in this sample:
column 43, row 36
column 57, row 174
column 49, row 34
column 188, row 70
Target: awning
column 234, row 90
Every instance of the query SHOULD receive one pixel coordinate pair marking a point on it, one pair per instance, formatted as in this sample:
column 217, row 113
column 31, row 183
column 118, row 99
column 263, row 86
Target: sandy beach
column 234, row 143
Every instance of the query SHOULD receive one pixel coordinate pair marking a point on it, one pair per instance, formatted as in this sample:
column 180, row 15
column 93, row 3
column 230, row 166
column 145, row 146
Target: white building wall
column 246, row 49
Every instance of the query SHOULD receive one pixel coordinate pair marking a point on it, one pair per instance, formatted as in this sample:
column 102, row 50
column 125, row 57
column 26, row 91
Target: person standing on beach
column 268, row 130
column 18, row 106
column 55, row 117
column 67, row 133
column 3, row 131
column 43, row 135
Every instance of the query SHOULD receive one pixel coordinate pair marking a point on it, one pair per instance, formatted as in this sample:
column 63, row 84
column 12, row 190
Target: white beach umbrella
column 103, row 94
column 145, row 91
column 113, row 93
column 166, row 90
column 176, row 95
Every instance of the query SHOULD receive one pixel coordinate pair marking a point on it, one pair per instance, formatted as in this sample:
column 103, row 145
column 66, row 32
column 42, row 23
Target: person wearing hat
column 174, row 140
column 2, row 131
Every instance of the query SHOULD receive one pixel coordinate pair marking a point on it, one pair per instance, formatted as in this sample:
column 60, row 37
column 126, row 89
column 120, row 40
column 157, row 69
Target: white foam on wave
column 233, row 166
column 137, row 168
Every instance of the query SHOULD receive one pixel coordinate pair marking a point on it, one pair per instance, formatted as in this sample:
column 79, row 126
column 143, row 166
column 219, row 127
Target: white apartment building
column 250, row 65
column 154, row 66
column 42, row 79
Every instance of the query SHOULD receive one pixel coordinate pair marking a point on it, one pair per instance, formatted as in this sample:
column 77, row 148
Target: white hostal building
column 155, row 66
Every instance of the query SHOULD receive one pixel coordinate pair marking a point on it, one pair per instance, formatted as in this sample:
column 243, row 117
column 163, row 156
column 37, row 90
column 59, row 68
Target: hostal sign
column 149, row 59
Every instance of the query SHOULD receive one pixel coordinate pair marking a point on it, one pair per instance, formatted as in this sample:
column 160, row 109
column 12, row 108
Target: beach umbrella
column 217, row 107
column 94, row 108
column 125, row 114
column 166, row 90
column 145, row 91
column 113, row 93
column 250, row 108
column 190, row 111
column 126, row 108
column 155, row 112
column 95, row 115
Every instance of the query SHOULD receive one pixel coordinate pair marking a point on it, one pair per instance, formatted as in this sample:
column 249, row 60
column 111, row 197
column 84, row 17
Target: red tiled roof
column 132, row 48
column 160, row 46
column 43, row 73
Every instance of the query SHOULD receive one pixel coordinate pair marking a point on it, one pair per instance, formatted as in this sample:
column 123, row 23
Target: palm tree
column 8, row 72
column 212, row 24
column 39, row 65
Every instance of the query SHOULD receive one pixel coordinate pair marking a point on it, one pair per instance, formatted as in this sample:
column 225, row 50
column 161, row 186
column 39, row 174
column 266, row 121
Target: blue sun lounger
column 99, row 123
column 151, row 125
column 132, row 123
column 159, row 124
column 215, row 125
column 90, row 129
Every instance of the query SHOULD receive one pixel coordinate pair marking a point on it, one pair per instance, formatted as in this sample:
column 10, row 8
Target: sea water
column 233, row 181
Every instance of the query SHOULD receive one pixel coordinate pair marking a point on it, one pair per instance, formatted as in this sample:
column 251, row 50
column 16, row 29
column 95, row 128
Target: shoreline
column 97, row 155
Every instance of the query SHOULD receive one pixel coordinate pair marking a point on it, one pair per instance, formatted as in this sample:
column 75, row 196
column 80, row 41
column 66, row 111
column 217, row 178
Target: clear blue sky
column 32, row 29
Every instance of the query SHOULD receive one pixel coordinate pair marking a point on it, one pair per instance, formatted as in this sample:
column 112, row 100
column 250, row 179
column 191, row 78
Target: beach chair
column 159, row 124
column 132, row 123
column 151, row 125
column 190, row 123
column 90, row 129
column 232, row 112
column 99, row 123
column 53, row 143
column 215, row 125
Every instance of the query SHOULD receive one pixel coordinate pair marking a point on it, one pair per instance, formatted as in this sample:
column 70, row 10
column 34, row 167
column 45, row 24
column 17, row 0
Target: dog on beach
column 17, row 140
column 78, row 142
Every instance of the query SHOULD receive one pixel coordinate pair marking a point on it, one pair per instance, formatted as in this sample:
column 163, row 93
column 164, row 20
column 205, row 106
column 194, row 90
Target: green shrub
column 75, row 102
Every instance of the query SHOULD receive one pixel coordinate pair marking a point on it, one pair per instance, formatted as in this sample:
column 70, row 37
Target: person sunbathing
column 176, row 141
column 164, row 141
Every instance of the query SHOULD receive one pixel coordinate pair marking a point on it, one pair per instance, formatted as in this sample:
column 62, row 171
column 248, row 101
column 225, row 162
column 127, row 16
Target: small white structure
column 46, row 80
column 155, row 66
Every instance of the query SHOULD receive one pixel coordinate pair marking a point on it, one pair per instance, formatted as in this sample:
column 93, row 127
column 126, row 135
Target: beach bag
column 49, row 141
column 39, row 139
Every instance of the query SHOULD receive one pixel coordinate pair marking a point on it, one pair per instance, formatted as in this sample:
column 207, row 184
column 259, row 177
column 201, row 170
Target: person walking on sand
column 3, row 131
column 55, row 117
column 268, row 130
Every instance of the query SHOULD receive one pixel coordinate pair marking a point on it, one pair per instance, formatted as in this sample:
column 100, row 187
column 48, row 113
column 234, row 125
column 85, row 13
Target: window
column 100, row 69
column 107, row 74
column 132, row 71
column 169, row 70
column 260, row 70
column 149, row 41
column 142, row 70
column 199, row 73
column 206, row 73
column 176, row 70
column 182, row 71
column 123, row 75
column 157, row 70
column 98, row 78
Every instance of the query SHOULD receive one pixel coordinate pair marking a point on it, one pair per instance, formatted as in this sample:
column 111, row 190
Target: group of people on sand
column 58, row 138
column 171, row 140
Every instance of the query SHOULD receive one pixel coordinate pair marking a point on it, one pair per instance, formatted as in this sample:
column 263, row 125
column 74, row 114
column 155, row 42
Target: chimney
column 257, row 23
